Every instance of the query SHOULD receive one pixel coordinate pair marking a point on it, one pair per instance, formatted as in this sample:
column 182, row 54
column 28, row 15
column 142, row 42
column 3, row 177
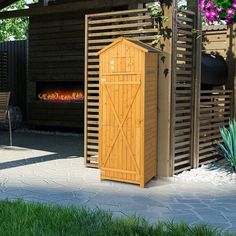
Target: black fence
column 3, row 71
column 16, row 53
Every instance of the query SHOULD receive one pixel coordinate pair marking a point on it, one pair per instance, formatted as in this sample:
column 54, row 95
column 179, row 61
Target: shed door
column 120, row 126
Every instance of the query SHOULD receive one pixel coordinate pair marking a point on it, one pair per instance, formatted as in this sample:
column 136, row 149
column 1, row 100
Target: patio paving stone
column 146, row 201
column 50, row 169
column 197, row 205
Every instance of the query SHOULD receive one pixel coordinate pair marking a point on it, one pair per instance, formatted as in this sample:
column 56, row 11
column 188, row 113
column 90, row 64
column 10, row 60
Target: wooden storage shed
column 128, row 111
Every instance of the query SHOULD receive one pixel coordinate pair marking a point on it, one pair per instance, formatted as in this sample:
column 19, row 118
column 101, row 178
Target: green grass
column 20, row 218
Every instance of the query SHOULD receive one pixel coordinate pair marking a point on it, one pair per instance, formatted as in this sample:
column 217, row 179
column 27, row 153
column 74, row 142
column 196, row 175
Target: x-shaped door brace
column 121, row 124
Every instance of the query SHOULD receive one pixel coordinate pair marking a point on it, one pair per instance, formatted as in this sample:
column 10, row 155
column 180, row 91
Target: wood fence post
column 231, row 57
column 234, row 70
column 196, row 85
column 164, row 164
column 85, row 91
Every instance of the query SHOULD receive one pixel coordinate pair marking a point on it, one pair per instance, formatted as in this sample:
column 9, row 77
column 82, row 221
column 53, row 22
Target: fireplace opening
column 60, row 92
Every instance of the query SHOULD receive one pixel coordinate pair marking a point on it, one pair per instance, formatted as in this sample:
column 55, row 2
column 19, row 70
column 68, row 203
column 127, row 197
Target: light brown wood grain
column 128, row 113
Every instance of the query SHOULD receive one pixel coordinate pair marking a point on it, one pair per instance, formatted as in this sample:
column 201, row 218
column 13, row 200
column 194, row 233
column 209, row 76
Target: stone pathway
column 46, row 168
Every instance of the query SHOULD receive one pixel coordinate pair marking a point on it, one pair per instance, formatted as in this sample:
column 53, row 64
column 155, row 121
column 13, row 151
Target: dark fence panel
column 215, row 112
column 182, row 91
column 17, row 71
column 3, row 71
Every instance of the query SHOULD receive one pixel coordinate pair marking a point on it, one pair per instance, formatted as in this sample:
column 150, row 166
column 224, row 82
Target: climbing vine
column 157, row 13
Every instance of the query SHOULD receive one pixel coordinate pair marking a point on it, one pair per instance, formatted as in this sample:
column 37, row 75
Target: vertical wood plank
column 86, row 92
column 173, row 90
column 196, row 87
column 129, row 138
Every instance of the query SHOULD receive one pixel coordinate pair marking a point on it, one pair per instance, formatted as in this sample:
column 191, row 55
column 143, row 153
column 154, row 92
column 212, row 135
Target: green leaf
column 227, row 149
column 16, row 28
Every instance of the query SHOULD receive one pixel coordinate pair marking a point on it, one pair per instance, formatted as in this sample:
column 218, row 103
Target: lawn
column 20, row 218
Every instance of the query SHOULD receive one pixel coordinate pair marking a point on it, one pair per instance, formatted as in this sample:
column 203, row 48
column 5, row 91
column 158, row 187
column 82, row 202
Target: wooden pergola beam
column 61, row 8
column 6, row 3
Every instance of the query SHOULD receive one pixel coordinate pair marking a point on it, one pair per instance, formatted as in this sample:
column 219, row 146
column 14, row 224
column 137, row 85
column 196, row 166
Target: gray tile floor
column 49, row 169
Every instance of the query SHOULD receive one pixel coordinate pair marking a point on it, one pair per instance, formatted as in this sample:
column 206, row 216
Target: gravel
column 218, row 173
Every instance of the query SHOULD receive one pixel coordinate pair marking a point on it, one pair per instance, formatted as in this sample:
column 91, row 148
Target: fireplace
column 55, row 82
column 60, row 92
column 56, row 103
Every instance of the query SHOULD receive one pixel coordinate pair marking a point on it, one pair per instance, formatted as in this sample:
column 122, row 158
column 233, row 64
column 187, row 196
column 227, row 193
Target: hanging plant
column 157, row 13
column 218, row 10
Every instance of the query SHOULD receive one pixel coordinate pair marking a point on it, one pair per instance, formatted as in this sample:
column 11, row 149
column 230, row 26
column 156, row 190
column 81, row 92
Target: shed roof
column 140, row 45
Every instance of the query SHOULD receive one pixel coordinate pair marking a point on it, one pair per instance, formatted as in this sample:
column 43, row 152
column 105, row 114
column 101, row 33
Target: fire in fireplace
column 62, row 92
column 61, row 96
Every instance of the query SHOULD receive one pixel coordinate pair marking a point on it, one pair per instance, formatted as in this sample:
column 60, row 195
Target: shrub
column 227, row 149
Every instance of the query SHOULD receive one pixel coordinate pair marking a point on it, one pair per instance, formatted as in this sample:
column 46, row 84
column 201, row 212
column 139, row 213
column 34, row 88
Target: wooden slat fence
column 101, row 29
column 193, row 130
column 215, row 40
column 215, row 105
column 182, row 91
column 215, row 112
column 3, row 71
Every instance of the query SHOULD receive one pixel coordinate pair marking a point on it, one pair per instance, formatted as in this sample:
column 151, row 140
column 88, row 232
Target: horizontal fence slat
column 120, row 26
column 115, row 20
column 215, row 111
column 103, row 29
column 111, row 33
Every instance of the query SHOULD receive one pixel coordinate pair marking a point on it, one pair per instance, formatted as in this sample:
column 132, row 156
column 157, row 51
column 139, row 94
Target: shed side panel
column 150, row 117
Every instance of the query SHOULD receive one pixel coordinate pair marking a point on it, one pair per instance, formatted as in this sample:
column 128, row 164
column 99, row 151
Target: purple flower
column 207, row 14
column 230, row 11
column 229, row 20
column 213, row 12
column 202, row 4
column 210, row 5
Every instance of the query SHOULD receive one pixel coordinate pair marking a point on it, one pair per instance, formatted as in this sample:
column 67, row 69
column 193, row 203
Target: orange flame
column 61, row 96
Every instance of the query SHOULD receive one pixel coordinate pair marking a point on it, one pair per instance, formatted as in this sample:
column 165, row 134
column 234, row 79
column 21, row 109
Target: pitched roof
column 142, row 46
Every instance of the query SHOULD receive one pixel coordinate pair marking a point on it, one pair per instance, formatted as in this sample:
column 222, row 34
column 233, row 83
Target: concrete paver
column 50, row 169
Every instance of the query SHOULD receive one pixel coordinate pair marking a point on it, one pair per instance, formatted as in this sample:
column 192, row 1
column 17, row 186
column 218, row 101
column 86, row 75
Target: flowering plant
column 217, row 10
